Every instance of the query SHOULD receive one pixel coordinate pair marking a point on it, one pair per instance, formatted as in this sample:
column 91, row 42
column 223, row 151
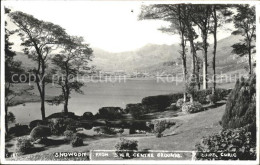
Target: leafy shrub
column 179, row 103
column 110, row 113
column 159, row 127
column 23, row 146
column 190, row 87
column 19, row 130
column 125, row 148
column 136, row 110
column 71, row 127
column 40, row 132
column 160, row 102
column 121, row 130
column 105, row 130
column 7, row 153
column 59, row 125
column 193, row 107
column 201, row 95
column 76, row 141
column 237, row 141
column 241, row 105
column 69, row 135
column 88, row 116
column 212, row 98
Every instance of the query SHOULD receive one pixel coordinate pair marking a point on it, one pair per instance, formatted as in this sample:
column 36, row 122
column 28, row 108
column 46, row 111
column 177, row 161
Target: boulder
column 35, row 123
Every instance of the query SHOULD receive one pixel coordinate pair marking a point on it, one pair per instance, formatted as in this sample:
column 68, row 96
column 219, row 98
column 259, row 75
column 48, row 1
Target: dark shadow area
column 215, row 105
column 52, row 142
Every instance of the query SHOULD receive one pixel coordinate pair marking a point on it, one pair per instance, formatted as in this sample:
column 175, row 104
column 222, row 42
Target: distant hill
column 159, row 58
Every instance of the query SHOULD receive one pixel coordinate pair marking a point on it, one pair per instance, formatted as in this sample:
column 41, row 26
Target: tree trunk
column 198, row 73
column 249, row 57
column 43, row 89
column 215, row 50
column 66, row 105
column 205, row 60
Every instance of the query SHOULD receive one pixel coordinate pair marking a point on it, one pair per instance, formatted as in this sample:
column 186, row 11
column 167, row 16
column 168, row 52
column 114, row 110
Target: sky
column 111, row 26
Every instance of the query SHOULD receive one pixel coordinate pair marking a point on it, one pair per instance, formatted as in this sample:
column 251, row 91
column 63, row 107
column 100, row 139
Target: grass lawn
column 182, row 137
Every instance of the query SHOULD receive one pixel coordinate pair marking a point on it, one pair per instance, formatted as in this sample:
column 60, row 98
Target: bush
column 125, row 148
column 237, row 141
column 23, row 146
column 110, row 113
column 59, row 125
column 241, row 105
column 76, row 141
column 160, row 102
column 69, row 135
column 19, row 130
column 212, row 98
column 40, row 132
column 105, row 130
column 179, row 103
column 201, row 95
column 88, row 116
column 7, row 153
column 193, row 107
column 120, row 130
column 159, row 127
column 136, row 110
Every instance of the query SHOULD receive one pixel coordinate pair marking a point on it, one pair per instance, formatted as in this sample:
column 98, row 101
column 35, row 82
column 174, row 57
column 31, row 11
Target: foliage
column 19, row 130
column 88, row 116
column 10, row 117
column 245, row 22
column 76, row 141
column 192, row 107
column 125, row 148
column 237, row 141
column 241, row 105
column 159, row 127
column 23, row 146
column 71, row 62
column 110, row 112
column 59, row 125
column 212, row 98
column 136, row 110
column 105, row 130
column 40, row 132
column 69, row 135
column 179, row 103
column 38, row 38
column 190, row 87
column 201, row 95
column 160, row 102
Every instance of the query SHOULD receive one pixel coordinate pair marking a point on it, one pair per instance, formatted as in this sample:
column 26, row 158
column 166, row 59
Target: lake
column 97, row 95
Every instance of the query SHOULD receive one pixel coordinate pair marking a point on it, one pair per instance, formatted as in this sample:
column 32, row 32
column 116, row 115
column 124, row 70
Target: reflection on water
column 96, row 95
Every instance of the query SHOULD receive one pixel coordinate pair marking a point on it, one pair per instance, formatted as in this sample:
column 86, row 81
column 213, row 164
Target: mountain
column 160, row 58
column 148, row 55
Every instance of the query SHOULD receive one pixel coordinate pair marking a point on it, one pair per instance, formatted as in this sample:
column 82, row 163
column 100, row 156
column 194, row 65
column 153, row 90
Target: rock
column 35, row 123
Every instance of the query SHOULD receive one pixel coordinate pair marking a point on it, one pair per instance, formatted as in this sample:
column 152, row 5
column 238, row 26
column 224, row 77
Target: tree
column 245, row 22
column 175, row 14
column 201, row 17
column 38, row 38
column 11, row 67
column 220, row 14
column 71, row 62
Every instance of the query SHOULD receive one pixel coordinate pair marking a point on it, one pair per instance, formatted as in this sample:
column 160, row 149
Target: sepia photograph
column 129, row 82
